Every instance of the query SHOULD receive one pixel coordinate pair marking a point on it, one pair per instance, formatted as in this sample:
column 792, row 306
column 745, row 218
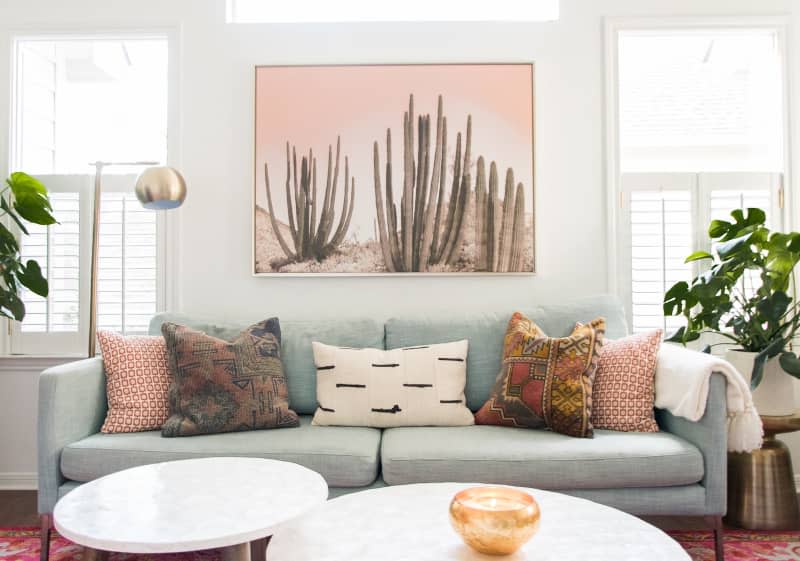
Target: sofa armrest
column 710, row 435
column 72, row 405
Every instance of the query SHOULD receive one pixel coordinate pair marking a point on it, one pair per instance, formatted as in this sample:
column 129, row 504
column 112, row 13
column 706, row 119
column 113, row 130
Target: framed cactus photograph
column 394, row 169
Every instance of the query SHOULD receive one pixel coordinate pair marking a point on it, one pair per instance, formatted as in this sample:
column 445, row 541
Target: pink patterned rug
column 22, row 544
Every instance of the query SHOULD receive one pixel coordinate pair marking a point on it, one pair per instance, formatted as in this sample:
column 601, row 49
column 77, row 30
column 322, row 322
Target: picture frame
column 460, row 139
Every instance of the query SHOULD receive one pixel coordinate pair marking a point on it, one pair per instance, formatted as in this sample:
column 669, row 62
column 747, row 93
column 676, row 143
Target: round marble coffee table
column 189, row 505
column 410, row 522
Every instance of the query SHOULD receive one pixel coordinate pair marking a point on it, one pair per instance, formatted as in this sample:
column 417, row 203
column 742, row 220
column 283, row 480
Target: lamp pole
column 98, row 172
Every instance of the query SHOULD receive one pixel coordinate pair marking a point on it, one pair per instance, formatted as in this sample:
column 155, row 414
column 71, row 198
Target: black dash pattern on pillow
column 412, row 386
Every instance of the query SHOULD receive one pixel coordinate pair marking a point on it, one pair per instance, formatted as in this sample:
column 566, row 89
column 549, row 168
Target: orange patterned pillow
column 137, row 382
column 624, row 385
column 545, row 381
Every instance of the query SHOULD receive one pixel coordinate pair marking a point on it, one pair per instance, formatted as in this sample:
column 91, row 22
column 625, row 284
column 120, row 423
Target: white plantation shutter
column 57, row 250
column 130, row 259
column 665, row 217
column 658, row 220
column 128, row 265
column 724, row 192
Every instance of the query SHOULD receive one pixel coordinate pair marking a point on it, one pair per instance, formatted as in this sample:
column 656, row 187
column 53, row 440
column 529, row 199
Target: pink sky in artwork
column 308, row 106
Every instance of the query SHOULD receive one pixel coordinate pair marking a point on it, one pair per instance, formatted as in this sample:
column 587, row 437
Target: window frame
column 618, row 279
column 73, row 344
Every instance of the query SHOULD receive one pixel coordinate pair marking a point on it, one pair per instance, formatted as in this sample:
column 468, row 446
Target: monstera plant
column 745, row 292
column 24, row 200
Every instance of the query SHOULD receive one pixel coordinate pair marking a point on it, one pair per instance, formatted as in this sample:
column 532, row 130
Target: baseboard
column 19, row 481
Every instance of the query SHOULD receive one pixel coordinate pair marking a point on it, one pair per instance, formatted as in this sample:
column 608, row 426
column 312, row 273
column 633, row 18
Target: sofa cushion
column 485, row 333
column 344, row 456
column 297, row 335
column 537, row 458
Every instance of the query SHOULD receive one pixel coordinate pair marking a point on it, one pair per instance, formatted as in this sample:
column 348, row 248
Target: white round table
column 411, row 523
column 189, row 505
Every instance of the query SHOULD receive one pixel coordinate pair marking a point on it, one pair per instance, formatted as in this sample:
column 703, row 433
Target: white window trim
column 616, row 237
column 168, row 222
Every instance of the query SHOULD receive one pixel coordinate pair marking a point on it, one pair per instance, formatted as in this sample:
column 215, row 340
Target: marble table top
column 188, row 505
column 411, row 523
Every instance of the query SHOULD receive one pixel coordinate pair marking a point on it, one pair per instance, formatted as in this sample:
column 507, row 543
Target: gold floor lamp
column 157, row 188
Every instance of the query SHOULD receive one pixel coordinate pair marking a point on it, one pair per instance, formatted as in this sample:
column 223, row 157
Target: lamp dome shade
column 161, row 188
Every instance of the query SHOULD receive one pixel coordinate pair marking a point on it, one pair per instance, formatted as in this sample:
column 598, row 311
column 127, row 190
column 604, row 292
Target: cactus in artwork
column 312, row 238
column 499, row 225
column 430, row 230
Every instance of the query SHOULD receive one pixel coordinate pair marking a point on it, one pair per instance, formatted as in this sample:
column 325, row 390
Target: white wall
column 212, row 267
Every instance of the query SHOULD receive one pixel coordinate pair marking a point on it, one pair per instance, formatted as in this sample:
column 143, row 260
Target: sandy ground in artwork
column 357, row 256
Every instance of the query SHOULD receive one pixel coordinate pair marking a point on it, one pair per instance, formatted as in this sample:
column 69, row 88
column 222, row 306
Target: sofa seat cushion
column 344, row 456
column 538, row 458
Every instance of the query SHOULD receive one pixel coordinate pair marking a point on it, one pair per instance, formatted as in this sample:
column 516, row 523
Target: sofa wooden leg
column 716, row 525
column 46, row 521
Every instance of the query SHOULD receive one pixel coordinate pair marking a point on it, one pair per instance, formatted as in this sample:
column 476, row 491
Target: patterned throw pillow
column 624, row 384
column 545, row 382
column 414, row 386
column 137, row 380
column 221, row 386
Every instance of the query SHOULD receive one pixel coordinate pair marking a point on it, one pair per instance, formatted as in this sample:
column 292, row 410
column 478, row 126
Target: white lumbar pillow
column 413, row 386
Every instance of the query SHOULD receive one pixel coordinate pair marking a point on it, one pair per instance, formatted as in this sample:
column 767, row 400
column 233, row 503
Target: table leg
column 258, row 549
column 90, row 554
column 240, row 552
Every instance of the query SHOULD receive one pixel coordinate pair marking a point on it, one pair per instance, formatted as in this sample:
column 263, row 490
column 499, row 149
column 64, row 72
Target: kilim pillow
column 413, row 386
column 545, row 382
column 221, row 386
column 624, row 384
column 137, row 380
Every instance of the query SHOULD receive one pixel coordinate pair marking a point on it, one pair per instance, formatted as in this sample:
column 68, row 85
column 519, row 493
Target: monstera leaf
column 744, row 291
column 24, row 200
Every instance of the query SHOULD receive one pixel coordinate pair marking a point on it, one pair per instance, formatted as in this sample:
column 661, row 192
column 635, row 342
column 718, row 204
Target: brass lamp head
column 161, row 188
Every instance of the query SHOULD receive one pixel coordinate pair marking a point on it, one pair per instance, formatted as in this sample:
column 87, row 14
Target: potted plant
column 23, row 200
column 745, row 294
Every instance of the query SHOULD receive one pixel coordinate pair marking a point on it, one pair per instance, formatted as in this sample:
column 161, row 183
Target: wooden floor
column 18, row 508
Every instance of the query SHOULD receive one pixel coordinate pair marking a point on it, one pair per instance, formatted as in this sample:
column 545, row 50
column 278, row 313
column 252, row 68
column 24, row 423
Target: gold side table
column 761, row 488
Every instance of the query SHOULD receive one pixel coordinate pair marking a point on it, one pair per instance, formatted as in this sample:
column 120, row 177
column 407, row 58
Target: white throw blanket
column 682, row 379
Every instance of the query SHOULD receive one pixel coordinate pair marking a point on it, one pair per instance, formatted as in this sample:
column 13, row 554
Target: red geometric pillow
column 624, row 384
column 545, row 382
column 137, row 382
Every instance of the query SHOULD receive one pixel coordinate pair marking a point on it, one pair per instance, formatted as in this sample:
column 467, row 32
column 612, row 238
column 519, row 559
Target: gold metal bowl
column 494, row 520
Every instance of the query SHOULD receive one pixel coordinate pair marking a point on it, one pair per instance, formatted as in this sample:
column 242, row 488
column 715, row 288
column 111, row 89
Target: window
column 700, row 121
column 78, row 100
column 325, row 11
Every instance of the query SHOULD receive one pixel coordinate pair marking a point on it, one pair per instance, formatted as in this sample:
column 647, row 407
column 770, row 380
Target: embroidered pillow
column 545, row 382
column 412, row 386
column 137, row 380
column 221, row 386
column 624, row 384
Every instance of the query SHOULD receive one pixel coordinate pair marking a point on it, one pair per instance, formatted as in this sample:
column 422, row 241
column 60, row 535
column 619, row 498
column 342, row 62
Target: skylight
column 327, row 11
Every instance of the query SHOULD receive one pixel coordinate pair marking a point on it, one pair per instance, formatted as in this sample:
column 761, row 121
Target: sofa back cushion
column 297, row 335
column 485, row 334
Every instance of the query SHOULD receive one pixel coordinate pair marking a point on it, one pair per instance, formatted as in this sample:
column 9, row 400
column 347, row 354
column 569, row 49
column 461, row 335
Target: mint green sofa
column 678, row 471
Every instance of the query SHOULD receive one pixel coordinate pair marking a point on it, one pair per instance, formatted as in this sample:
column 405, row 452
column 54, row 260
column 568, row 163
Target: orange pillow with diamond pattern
column 545, row 382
